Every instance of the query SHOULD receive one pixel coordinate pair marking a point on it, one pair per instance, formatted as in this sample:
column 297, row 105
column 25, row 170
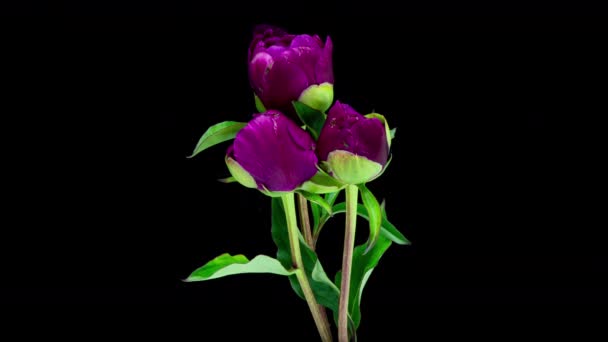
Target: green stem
column 298, row 264
column 305, row 220
column 347, row 260
column 305, row 224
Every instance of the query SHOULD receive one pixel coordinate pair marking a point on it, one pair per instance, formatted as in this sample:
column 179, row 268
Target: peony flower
column 353, row 148
column 272, row 153
column 285, row 68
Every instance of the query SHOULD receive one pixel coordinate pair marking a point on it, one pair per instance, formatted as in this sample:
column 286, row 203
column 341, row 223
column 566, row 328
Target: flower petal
column 284, row 83
column 259, row 67
column 324, row 70
column 307, row 50
column 277, row 153
column 370, row 140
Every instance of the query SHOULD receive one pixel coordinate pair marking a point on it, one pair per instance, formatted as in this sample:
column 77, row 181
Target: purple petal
column 370, row 140
column 324, row 70
column 277, row 153
column 259, row 67
column 277, row 51
column 284, row 83
column 347, row 130
column 307, row 51
column 298, row 61
column 265, row 36
column 304, row 40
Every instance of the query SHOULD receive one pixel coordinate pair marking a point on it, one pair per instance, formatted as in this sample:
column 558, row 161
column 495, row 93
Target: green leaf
column 226, row 264
column 258, row 104
column 331, row 197
column 326, row 293
column 314, row 198
column 374, row 215
column 312, row 118
column 216, row 134
column 388, row 230
column 227, row 180
column 316, row 216
column 392, row 132
column 363, row 264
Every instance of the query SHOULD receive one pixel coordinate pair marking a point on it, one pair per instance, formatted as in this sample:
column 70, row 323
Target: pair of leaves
column 364, row 262
column 317, row 201
column 319, row 218
column 386, row 228
column 371, row 209
column 326, row 293
column 366, row 256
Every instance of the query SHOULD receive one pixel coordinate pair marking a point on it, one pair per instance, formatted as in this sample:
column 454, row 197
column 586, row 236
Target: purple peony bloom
column 354, row 147
column 285, row 67
column 347, row 130
column 274, row 153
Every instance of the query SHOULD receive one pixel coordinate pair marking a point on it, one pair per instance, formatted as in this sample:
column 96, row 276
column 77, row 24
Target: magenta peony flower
column 285, row 68
column 354, row 147
column 272, row 153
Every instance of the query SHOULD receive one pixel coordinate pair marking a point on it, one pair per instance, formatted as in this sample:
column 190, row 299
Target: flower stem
column 305, row 224
column 305, row 220
column 347, row 260
column 296, row 257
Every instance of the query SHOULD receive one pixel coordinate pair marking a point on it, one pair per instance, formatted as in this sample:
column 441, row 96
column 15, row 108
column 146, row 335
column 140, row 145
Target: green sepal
column 240, row 174
column 318, row 96
column 350, row 168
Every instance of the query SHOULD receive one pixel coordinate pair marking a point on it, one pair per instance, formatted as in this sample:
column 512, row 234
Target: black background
column 491, row 179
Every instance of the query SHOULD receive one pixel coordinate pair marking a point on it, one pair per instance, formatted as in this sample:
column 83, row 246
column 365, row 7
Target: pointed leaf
column 312, row 118
column 258, row 104
column 374, row 215
column 331, row 197
column 388, row 230
column 226, row 264
column 216, row 134
column 316, row 216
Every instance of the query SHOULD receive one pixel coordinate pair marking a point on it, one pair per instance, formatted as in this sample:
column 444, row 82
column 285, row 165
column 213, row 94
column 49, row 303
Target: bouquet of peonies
column 295, row 153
